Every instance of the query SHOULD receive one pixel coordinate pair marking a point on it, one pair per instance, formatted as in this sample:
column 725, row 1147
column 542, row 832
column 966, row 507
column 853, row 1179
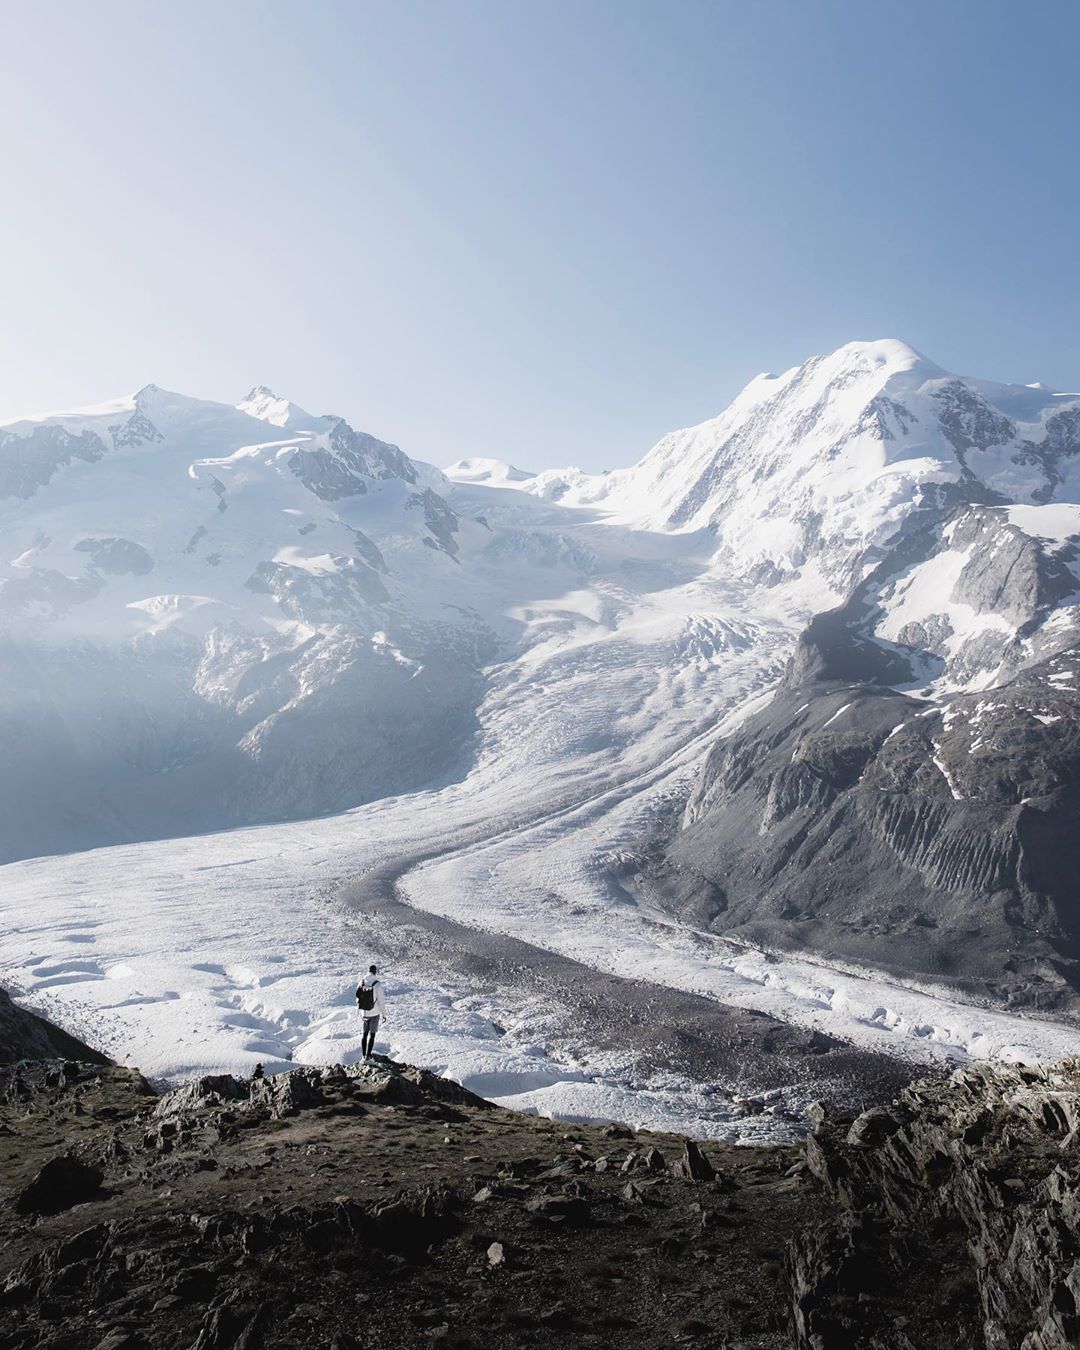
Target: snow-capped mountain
column 811, row 472
column 908, row 800
column 141, row 470
column 215, row 614
column 198, row 625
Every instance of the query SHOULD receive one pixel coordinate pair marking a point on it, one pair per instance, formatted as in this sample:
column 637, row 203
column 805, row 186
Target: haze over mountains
column 213, row 616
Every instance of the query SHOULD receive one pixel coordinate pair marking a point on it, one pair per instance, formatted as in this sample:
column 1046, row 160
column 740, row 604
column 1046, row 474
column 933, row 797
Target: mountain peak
column 882, row 351
column 264, row 404
column 863, row 367
column 879, row 359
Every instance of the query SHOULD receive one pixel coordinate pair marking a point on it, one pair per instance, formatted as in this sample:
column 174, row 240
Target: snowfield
column 558, row 652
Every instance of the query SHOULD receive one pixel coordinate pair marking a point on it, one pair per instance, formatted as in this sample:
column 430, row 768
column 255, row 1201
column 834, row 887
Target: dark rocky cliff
column 927, row 831
column 955, row 1218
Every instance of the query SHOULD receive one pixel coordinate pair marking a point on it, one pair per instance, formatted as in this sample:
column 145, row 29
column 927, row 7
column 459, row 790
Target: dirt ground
column 374, row 1206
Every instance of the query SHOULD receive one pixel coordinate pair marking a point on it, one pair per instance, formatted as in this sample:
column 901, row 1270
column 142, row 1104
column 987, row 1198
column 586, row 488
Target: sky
column 547, row 232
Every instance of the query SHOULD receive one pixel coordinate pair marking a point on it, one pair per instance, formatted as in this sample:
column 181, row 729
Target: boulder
column 572, row 1209
column 693, row 1165
column 60, row 1184
column 412, row 1221
column 201, row 1096
column 284, row 1094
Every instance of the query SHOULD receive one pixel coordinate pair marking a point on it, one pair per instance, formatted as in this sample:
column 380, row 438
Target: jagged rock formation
column 24, row 1036
column 937, row 842
column 956, row 1219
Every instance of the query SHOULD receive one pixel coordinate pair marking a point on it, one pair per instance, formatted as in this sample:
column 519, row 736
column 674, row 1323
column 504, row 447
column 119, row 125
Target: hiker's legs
column 367, row 1043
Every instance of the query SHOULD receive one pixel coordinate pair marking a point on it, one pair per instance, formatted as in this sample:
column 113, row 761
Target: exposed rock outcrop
column 376, row 1204
column 345, row 464
column 957, row 1218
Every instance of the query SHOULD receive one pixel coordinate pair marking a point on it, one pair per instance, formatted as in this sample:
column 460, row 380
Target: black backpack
column 365, row 997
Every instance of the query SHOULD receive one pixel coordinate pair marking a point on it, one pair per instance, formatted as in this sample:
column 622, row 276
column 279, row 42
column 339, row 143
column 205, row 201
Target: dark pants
column 367, row 1041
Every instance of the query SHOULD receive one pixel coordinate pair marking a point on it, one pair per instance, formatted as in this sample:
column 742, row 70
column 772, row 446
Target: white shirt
column 373, row 982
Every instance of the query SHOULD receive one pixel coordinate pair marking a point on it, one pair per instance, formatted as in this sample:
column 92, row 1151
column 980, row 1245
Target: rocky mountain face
column 908, row 799
column 930, row 835
column 955, row 1219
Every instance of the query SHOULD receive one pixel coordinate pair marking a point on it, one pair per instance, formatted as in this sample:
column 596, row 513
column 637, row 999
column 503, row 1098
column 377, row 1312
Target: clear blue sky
column 544, row 231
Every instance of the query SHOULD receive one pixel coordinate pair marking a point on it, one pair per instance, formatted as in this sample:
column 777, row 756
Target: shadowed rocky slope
column 370, row 1206
column 24, row 1036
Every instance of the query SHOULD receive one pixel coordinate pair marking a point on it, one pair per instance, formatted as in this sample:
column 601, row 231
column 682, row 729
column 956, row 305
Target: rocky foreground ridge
column 378, row 1205
column 950, row 1217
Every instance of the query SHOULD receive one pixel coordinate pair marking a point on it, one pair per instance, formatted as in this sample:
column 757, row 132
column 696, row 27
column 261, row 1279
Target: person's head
column 373, row 970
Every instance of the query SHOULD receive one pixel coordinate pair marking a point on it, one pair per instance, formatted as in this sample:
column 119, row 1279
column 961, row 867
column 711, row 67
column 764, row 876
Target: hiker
column 372, row 1005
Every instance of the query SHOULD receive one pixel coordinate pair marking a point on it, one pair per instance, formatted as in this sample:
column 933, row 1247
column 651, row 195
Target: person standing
column 371, row 1002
